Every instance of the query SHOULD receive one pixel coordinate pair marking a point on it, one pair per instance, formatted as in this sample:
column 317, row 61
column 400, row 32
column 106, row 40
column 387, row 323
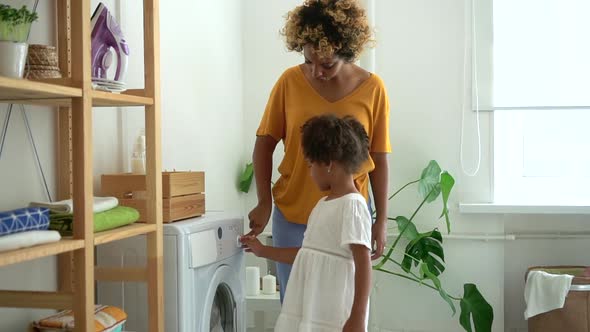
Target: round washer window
column 223, row 311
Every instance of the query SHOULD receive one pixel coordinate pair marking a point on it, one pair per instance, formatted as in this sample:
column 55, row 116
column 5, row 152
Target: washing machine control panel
column 215, row 244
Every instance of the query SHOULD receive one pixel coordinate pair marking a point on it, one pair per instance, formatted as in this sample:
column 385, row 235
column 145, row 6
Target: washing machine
column 203, row 276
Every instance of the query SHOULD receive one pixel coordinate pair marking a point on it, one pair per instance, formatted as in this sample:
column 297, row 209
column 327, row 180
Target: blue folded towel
column 25, row 219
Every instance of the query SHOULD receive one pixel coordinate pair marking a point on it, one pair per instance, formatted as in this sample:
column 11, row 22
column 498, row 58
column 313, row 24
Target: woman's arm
column 262, row 160
column 281, row 255
column 362, row 288
column 379, row 182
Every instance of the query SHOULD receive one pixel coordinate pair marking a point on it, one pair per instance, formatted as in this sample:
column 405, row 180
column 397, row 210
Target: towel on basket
column 113, row 218
column 544, row 292
column 67, row 206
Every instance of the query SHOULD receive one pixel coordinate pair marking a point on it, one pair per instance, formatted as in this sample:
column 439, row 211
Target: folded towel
column 113, row 218
column 67, row 206
column 544, row 292
column 21, row 220
column 106, row 318
column 27, row 239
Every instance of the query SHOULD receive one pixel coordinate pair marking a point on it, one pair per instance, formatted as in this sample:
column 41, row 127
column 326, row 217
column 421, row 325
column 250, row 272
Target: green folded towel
column 113, row 218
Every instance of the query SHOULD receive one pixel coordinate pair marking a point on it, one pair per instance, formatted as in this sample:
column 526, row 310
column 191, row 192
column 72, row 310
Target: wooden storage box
column 182, row 193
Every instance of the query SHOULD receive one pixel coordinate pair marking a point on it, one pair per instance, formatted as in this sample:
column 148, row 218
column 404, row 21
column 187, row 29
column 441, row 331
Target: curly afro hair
column 329, row 138
column 332, row 27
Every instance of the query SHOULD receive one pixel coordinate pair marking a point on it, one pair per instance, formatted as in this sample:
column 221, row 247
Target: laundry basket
column 575, row 314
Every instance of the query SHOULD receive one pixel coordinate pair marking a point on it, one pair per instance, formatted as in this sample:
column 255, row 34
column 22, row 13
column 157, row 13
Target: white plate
column 100, row 80
column 116, row 86
column 108, row 82
column 107, row 89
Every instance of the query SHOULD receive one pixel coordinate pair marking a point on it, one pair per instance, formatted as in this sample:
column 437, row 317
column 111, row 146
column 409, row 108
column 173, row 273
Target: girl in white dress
column 328, row 290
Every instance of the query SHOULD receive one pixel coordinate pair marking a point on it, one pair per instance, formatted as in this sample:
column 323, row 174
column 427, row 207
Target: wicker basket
column 37, row 74
column 42, row 55
column 42, row 62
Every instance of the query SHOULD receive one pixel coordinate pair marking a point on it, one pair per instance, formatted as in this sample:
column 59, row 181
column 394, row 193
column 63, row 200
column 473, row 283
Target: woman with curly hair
column 331, row 35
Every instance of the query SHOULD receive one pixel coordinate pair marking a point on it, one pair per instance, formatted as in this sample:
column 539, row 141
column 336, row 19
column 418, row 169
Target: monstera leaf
column 426, row 248
column 436, row 282
column 474, row 306
column 429, row 185
column 246, row 178
column 446, row 184
column 407, row 227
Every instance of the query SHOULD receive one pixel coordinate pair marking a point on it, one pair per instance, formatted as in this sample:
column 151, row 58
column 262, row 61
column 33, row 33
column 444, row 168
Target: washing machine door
column 220, row 310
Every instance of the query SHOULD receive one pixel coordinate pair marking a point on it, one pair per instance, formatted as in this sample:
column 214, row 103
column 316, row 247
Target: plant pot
column 13, row 57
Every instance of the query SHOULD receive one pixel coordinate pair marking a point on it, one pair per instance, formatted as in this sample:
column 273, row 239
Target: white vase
column 13, row 57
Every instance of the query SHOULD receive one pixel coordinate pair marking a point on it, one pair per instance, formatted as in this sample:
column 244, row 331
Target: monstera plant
column 423, row 256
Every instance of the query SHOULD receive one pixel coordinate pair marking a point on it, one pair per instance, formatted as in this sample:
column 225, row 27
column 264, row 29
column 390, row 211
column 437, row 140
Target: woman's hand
column 259, row 217
column 378, row 238
column 253, row 245
column 353, row 324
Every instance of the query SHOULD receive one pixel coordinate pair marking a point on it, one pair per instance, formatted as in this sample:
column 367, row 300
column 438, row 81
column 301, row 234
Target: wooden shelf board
column 21, row 89
column 123, row 232
column 36, row 299
column 43, row 250
column 99, row 99
column 108, row 99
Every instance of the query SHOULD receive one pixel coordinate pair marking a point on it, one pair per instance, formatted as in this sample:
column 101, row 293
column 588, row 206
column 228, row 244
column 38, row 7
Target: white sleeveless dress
column 320, row 290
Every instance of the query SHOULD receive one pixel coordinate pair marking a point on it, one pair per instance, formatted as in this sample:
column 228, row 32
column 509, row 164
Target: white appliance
column 203, row 276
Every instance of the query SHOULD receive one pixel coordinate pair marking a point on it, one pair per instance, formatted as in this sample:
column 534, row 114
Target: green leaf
column 426, row 248
column 429, row 186
column 246, row 178
column 446, row 185
column 429, row 275
column 474, row 306
column 409, row 229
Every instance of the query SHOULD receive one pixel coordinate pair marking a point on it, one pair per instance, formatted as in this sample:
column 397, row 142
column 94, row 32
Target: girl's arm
column 281, row 255
column 379, row 182
column 362, row 288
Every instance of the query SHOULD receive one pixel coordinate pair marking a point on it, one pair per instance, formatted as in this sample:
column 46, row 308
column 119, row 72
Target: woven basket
column 42, row 55
column 42, row 62
column 42, row 72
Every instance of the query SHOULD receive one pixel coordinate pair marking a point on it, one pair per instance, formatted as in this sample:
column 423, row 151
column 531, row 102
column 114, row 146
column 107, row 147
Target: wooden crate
column 182, row 192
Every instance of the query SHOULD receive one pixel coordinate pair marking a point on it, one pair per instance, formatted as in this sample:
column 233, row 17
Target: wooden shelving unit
column 74, row 98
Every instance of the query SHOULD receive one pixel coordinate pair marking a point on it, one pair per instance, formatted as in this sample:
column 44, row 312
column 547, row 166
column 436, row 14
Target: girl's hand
column 253, row 245
column 354, row 324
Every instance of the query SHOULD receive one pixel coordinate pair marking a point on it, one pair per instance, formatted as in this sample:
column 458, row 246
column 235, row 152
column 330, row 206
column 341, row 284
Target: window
column 540, row 94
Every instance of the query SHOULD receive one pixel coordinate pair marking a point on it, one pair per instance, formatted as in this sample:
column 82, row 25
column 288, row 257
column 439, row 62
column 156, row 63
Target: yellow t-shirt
column 292, row 102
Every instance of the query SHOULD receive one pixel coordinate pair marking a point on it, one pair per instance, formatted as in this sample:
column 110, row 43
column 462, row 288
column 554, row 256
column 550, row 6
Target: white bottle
column 138, row 155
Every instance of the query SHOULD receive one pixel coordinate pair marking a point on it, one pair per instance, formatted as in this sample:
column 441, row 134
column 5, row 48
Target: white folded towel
column 67, row 206
column 27, row 239
column 544, row 292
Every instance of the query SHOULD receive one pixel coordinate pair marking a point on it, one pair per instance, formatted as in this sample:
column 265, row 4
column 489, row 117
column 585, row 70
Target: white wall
column 419, row 54
column 201, row 60
column 201, row 84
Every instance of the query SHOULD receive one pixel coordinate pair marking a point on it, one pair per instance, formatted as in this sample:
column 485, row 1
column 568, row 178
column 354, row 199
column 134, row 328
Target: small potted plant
column 15, row 25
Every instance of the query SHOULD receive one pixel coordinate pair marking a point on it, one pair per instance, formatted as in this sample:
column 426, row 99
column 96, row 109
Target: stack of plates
column 108, row 85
